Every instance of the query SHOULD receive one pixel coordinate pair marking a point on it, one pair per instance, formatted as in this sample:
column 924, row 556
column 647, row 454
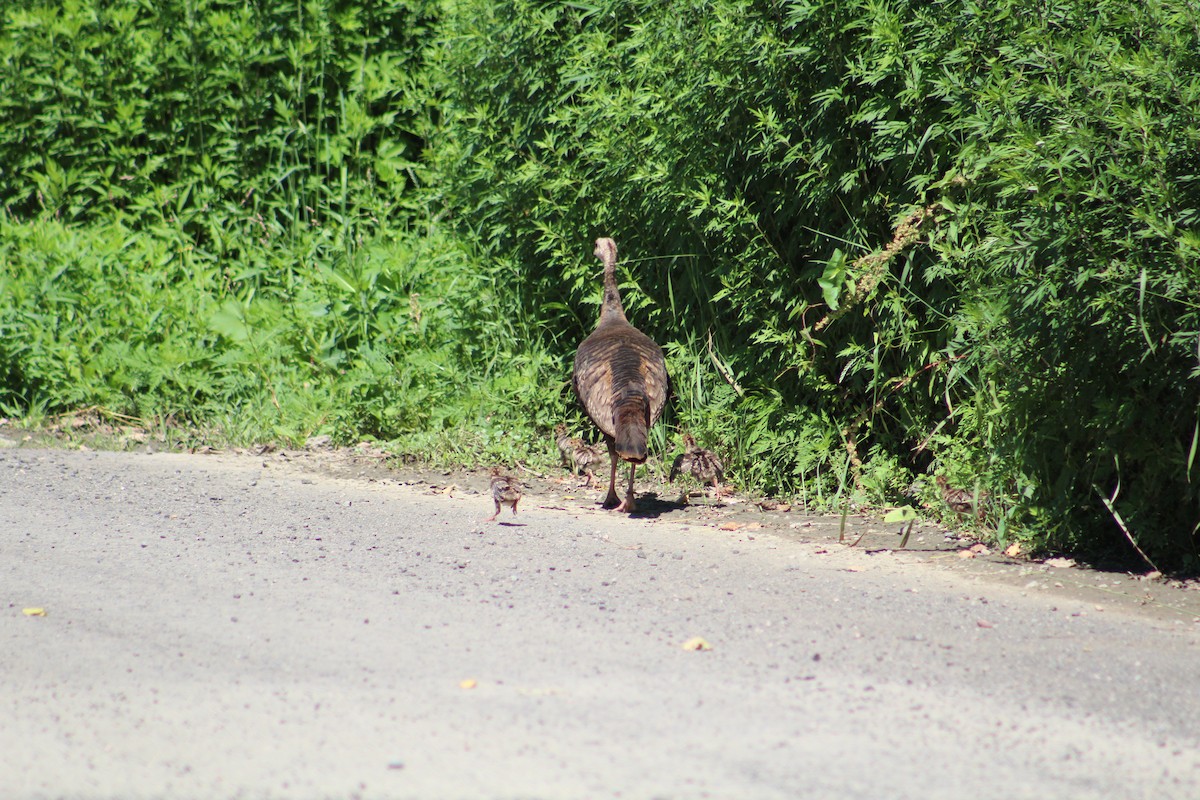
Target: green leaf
column 901, row 514
column 833, row 279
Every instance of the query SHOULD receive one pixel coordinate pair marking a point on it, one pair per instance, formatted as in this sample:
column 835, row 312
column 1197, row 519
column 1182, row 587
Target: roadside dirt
column 1169, row 600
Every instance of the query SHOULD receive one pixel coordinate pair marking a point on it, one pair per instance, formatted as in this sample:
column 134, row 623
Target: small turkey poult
column 565, row 445
column 704, row 465
column 962, row 501
column 506, row 491
column 620, row 377
column 576, row 454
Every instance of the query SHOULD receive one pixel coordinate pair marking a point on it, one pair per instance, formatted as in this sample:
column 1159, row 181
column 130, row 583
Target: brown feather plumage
column 506, row 491
column 962, row 501
column 620, row 377
column 565, row 443
column 703, row 465
column 576, row 455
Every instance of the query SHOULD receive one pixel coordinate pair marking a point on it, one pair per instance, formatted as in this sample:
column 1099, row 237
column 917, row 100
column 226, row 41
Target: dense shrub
column 212, row 211
column 959, row 234
column 878, row 239
column 206, row 111
column 399, row 340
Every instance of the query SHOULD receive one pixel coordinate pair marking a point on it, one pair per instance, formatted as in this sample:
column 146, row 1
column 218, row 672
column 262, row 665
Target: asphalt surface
column 235, row 627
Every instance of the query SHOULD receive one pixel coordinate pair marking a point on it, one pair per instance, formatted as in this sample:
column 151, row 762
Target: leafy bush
column 1074, row 240
column 212, row 212
column 202, row 112
column 952, row 237
column 877, row 238
column 401, row 340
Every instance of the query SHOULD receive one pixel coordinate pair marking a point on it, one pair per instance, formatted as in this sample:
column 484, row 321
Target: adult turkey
column 620, row 377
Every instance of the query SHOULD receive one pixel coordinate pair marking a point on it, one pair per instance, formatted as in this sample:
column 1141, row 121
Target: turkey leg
column 612, row 498
column 628, row 505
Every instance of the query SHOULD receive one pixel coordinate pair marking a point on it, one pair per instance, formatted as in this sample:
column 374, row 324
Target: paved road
column 219, row 628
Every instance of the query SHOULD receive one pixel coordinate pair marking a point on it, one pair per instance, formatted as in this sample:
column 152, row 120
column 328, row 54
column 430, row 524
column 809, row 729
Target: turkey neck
column 611, row 309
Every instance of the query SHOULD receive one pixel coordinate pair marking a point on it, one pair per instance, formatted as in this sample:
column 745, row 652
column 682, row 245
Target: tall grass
column 398, row 341
column 877, row 240
column 953, row 238
column 213, row 214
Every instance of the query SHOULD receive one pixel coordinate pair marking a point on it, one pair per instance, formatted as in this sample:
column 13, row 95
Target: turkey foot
column 629, row 504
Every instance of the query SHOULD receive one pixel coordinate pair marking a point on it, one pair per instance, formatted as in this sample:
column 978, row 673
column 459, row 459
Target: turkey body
column 506, row 491
column 620, row 377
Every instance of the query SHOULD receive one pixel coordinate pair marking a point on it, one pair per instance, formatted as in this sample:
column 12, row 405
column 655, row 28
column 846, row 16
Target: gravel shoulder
column 1143, row 593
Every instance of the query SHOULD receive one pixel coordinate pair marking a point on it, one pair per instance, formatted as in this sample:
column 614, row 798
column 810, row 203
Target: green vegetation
column 878, row 239
column 213, row 214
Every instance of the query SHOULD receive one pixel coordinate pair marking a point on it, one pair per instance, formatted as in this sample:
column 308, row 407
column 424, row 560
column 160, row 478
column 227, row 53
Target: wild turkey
column 620, row 377
column 962, row 501
column 704, row 465
column 506, row 491
column 576, row 454
column 564, row 442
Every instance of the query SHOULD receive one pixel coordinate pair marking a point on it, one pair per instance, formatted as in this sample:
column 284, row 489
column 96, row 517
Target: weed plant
column 212, row 216
column 877, row 240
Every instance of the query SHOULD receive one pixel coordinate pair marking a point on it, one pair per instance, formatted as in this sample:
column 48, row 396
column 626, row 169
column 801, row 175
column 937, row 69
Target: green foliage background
column 878, row 239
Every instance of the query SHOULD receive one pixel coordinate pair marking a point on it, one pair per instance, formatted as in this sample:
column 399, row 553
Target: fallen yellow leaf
column 696, row 643
column 34, row 612
column 469, row 683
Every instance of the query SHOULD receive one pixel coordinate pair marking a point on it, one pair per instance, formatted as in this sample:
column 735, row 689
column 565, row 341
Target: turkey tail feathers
column 631, row 420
